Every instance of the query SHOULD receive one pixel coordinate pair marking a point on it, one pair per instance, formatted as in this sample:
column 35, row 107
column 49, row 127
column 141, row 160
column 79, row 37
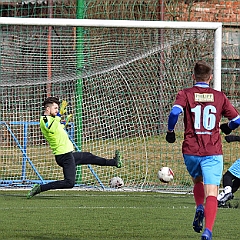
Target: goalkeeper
column 231, row 179
column 57, row 137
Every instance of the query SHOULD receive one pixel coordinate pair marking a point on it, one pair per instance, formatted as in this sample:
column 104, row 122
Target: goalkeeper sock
column 210, row 212
column 198, row 192
column 228, row 179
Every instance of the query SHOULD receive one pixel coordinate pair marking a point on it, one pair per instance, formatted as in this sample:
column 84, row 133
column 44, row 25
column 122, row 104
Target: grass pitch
column 92, row 215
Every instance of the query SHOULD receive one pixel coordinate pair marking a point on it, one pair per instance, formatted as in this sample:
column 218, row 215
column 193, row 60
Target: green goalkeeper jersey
column 55, row 134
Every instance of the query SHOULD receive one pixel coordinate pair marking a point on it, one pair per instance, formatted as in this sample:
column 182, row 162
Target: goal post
column 130, row 73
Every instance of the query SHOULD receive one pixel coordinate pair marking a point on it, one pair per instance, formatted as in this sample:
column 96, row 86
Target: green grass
column 70, row 215
column 142, row 158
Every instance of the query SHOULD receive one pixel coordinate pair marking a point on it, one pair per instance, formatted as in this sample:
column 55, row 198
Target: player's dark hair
column 202, row 71
column 51, row 100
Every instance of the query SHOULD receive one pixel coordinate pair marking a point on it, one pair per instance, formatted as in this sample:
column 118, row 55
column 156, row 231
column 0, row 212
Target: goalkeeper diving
column 54, row 132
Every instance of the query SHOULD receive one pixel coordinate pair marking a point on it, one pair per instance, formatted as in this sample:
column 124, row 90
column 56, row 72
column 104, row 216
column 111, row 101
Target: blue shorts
column 209, row 167
column 235, row 168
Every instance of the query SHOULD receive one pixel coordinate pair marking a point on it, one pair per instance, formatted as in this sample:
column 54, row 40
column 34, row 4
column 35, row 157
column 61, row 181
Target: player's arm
column 231, row 125
column 173, row 117
column 51, row 123
column 233, row 116
column 232, row 138
column 66, row 121
column 234, row 123
column 172, row 121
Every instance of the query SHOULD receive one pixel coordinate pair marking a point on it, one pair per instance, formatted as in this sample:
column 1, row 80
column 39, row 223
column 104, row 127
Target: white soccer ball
column 165, row 174
column 116, row 182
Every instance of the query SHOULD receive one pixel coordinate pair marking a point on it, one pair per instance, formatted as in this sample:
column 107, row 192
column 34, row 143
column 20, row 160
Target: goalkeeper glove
column 225, row 128
column 63, row 107
column 68, row 119
column 232, row 138
column 170, row 137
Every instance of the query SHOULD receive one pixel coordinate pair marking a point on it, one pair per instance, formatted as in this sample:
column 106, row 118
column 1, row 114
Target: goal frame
column 216, row 26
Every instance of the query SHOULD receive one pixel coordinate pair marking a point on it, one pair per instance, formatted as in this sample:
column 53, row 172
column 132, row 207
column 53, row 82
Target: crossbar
column 108, row 23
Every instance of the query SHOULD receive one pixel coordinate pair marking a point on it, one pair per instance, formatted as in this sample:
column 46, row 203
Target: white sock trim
column 227, row 189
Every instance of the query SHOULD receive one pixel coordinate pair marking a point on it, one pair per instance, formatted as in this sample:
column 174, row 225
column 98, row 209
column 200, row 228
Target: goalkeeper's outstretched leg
column 35, row 190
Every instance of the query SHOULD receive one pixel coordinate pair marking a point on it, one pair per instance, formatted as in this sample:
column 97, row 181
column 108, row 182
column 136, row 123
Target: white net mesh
column 120, row 84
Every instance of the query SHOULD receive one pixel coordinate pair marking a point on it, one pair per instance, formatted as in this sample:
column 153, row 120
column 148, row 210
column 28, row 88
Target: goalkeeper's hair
column 202, row 71
column 51, row 100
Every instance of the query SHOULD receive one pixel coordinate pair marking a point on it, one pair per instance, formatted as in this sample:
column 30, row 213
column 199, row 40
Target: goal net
column 120, row 79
